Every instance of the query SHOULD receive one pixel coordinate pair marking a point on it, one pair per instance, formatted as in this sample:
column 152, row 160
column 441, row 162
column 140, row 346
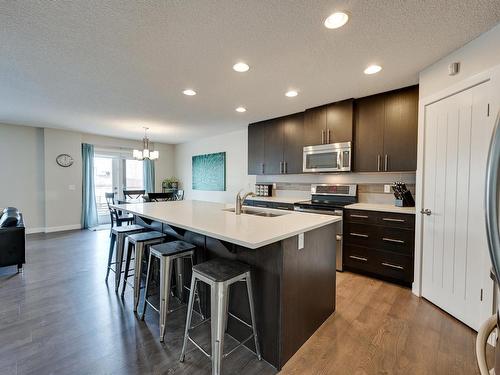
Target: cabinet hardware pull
column 386, row 162
column 378, row 163
column 358, row 258
column 392, row 266
column 392, row 240
column 358, row 235
column 261, row 205
column 328, row 136
column 285, row 167
column 359, row 216
column 262, row 166
column 322, row 137
column 394, row 220
column 281, row 167
column 282, row 208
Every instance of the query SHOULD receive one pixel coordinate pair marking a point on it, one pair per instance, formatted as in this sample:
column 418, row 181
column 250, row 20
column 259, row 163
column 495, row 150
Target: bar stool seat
column 168, row 253
column 220, row 274
column 118, row 235
column 138, row 242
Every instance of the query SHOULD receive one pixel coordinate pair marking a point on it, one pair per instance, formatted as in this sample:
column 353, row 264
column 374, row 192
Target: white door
column 455, row 264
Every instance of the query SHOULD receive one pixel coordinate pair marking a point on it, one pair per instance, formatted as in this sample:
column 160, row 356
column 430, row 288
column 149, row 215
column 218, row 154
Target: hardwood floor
column 381, row 328
column 59, row 317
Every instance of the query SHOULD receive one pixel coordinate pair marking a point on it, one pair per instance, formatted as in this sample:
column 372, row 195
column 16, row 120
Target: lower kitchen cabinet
column 380, row 244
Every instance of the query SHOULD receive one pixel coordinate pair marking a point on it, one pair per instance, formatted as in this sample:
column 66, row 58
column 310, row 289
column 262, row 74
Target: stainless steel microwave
column 333, row 157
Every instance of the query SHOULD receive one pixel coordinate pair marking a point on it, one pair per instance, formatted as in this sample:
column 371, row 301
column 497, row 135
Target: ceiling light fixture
column 336, row 20
column 146, row 153
column 241, row 109
column 241, row 67
column 372, row 69
column 291, row 93
column 189, row 92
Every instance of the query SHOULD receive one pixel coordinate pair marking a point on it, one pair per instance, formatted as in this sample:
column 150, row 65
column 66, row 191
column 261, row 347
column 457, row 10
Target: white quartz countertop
column 277, row 199
column 208, row 218
column 382, row 208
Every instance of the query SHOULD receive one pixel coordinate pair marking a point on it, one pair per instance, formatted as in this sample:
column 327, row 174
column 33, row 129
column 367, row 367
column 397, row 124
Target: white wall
column 63, row 186
column 21, row 172
column 235, row 146
column 50, row 196
column 476, row 56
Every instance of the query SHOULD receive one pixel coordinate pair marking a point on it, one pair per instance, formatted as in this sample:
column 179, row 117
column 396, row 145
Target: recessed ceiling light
column 189, row 92
column 241, row 109
column 372, row 69
column 336, row 20
column 241, row 67
column 291, row 93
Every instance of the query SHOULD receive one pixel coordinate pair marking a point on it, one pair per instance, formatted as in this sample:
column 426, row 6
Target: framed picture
column 209, row 172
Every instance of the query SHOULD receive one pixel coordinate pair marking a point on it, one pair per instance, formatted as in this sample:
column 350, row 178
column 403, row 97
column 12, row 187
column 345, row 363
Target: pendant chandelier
column 146, row 153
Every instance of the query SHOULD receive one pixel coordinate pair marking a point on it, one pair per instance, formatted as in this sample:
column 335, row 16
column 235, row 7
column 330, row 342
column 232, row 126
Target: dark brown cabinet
column 386, row 131
column 331, row 123
column 381, row 244
column 275, row 146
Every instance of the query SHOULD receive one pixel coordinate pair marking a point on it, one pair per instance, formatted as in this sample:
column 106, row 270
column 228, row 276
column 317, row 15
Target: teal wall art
column 209, row 172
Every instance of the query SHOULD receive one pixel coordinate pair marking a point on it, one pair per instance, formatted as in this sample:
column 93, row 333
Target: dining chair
column 133, row 194
column 116, row 217
column 179, row 195
column 159, row 197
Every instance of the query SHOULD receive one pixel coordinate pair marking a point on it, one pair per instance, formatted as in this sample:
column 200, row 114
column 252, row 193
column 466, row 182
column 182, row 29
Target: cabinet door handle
column 322, row 137
column 328, row 136
column 392, row 266
column 358, row 258
column 262, row 167
column 359, row 216
column 358, row 235
column 386, row 162
column 392, row 240
column 378, row 163
column 394, row 220
column 261, row 205
column 282, row 208
column 285, row 167
column 281, row 167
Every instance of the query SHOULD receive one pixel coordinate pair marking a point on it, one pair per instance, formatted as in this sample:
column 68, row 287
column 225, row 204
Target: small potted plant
column 170, row 183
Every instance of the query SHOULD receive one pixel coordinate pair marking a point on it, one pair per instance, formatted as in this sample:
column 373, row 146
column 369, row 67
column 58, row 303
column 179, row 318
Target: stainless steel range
column 330, row 199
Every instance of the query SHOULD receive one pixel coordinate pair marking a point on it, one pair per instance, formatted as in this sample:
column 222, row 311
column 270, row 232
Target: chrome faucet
column 240, row 200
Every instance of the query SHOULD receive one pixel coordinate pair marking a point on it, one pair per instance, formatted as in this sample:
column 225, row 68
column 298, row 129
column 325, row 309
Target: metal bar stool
column 138, row 242
column 220, row 274
column 118, row 235
column 168, row 253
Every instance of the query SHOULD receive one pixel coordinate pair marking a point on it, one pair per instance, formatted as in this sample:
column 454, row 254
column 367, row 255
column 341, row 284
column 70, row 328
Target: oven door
column 334, row 157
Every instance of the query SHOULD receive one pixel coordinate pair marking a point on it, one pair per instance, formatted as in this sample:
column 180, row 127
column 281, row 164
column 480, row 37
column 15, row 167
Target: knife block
column 406, row 201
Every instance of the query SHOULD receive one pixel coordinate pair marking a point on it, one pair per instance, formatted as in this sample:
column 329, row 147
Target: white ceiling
column 111, row 67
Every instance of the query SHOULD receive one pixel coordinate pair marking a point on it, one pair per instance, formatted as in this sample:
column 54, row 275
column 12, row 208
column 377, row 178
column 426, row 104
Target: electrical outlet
column 301, row 241
column 387, row 188
column 274, row 186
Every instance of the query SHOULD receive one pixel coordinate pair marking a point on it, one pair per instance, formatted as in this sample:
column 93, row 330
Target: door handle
column 426, row 211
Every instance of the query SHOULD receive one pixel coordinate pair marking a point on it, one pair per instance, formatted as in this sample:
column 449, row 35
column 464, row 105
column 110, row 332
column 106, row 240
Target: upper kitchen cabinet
column 275, row 146
column 386, row 131
column 256, row 139
column 331, row 123
column 400, row 131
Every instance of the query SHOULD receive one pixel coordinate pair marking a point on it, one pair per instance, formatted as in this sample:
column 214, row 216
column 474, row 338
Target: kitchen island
column 292, row 256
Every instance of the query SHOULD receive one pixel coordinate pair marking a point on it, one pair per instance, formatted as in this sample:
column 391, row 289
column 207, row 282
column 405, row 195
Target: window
column 134, row 178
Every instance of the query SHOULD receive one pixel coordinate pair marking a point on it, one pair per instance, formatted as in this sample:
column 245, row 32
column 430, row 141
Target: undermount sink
column 249, row 211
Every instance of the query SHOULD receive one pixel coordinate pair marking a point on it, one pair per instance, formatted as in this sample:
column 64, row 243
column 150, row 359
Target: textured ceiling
column 111, row 67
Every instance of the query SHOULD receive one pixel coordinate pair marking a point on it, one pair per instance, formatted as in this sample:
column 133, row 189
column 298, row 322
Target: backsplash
column 370, row 185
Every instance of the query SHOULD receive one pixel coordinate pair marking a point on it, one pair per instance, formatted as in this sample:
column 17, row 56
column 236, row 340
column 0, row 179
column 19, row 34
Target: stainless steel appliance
column 333, row 157
column 330, row 199
column 493, row 234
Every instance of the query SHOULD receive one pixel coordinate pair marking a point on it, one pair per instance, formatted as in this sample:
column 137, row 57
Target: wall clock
column 64, row 160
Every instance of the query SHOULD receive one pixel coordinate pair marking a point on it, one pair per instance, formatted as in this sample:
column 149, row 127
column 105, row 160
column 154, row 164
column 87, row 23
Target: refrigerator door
column 492, row 191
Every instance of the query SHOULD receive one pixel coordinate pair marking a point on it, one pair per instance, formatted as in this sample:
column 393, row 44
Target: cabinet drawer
column 393, row 265
column 396, row 239
column 360, row 216
column 396, row 220
column 360, row 258
column 360, row 234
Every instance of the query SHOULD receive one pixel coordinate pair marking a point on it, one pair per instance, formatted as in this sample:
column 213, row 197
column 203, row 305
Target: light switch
column 387, row 188
column 71, row 187
column 301, row 241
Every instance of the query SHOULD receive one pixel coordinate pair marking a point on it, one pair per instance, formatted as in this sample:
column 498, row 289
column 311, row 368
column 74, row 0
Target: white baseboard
column 53, row 229
column 35, row 230
column 63, row 228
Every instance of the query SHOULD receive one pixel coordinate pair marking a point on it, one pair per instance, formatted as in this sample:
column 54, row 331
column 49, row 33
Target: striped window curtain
column 149, row 176
column 89, row 207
